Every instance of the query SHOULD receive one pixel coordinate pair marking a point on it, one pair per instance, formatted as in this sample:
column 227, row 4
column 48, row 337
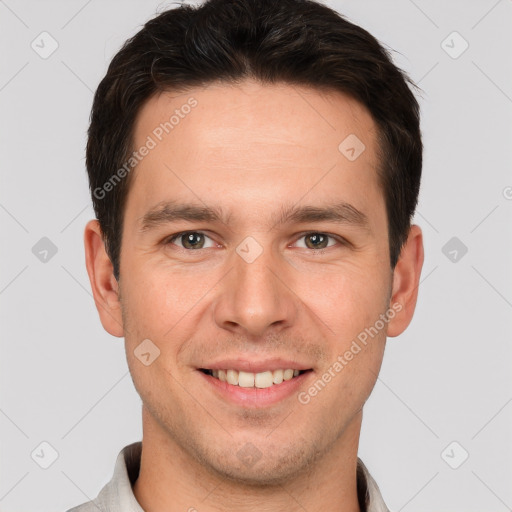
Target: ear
column 105, row 288
column 406, row 279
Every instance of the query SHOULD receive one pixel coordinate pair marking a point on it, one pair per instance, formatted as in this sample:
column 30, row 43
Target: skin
column 253, row 149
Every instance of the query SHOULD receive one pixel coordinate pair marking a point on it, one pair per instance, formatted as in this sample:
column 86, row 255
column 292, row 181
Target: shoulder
column 117, row 494
column 90, row 506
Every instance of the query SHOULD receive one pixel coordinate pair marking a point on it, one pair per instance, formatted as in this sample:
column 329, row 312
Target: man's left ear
column 406, row 279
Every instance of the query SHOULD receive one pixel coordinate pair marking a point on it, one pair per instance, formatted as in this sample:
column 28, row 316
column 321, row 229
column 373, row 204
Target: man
column 254, row 167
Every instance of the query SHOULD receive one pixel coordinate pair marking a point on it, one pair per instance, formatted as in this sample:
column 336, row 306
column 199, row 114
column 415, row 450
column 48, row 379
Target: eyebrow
column 171, row 211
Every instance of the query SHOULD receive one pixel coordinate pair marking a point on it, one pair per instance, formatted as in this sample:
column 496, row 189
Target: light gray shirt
column 117, row 495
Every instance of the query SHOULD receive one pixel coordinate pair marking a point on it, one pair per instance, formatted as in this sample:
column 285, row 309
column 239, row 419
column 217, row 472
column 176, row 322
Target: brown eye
column 191, row 240
column 316, row 240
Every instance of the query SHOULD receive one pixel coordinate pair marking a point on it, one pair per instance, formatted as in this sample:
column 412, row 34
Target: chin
column 248, row 466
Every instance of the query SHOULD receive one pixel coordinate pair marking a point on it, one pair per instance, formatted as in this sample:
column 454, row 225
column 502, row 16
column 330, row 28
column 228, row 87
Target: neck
column 171, row 480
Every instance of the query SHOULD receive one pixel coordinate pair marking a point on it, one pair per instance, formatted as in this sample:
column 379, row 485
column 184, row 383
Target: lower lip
column 256, row 397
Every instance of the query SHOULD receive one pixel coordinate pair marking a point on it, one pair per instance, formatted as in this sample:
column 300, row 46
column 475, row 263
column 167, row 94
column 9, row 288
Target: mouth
column 260, row 380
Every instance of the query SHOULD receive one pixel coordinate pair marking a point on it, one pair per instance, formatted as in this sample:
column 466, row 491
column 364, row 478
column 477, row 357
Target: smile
column 260, row 380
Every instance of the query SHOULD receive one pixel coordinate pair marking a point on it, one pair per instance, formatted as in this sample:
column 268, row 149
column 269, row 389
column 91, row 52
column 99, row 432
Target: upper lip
column 253, row 366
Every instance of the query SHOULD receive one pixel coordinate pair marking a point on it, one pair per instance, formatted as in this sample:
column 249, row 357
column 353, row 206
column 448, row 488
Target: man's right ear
column 105, row 288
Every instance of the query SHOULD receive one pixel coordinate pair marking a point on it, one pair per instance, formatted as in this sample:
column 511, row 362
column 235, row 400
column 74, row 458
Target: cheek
column 155, row 301
column 163, row 307
column 347, row 300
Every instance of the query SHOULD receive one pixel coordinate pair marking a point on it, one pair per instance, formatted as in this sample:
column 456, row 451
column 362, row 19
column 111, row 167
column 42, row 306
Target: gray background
column 447, row 378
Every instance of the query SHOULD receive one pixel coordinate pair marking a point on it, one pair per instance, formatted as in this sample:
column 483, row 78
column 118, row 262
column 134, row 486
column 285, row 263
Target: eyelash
column 172, row 238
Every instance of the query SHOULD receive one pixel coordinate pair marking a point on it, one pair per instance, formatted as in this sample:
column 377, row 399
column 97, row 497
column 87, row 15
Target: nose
column 257, row 297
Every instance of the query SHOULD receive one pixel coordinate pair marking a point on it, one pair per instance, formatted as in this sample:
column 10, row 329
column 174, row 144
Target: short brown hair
column 299, row 42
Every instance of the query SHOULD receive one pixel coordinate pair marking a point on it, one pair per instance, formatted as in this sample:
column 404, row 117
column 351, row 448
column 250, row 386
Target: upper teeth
column 250, row 380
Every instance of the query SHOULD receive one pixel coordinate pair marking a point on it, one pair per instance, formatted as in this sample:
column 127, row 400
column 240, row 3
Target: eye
column 316, row 240
column 191, row 240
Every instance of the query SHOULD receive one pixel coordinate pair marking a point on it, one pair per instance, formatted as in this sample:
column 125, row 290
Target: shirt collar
column 118, row 495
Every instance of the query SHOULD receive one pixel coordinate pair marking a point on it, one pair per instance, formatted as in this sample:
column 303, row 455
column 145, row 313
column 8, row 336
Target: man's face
column 257, row 285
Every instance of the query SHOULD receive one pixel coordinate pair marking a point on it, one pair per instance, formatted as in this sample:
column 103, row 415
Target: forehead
column 251, row 141
column 291, row 115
